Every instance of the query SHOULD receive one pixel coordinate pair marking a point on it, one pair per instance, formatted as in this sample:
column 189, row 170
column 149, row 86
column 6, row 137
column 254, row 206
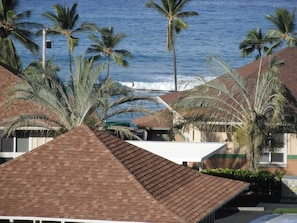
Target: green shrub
column 262, row 182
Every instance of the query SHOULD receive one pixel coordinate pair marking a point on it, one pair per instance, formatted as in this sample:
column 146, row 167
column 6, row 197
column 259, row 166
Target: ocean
column 218, row 29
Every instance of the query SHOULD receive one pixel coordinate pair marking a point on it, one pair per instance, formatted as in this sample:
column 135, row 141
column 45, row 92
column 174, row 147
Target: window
column 14, row 144
column 6, row 145
column 275, row 153
column 22, row 145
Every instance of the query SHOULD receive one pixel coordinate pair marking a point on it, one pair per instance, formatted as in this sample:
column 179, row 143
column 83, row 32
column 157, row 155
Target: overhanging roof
column 89, row 174
column 180, row 152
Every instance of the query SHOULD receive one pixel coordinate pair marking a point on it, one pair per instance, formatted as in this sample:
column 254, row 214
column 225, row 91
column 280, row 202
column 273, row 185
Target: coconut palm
column 172, row 10
column 284, row 22
column 256, row 41
column 13, row 28
column 106, row 45
column 251, row 111
column 68, row 106
column 65, row 22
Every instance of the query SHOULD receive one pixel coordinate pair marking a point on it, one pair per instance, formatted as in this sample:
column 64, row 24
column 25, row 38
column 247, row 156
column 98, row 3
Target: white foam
column 184, row 84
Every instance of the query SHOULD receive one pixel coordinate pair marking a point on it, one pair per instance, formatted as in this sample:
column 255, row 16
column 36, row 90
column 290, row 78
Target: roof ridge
column 99, row 134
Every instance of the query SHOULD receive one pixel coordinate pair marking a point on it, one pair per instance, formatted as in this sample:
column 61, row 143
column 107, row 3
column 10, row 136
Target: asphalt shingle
column 87, row 174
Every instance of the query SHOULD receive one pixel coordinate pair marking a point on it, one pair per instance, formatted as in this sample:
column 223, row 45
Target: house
column 89, row 175
column 157, row 127
column 283, row 159
column 24, row 139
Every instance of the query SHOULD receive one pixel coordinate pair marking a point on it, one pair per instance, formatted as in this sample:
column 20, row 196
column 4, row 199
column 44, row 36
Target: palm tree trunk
column 174, row 66
column 70, row 62
column 108, row 63
column 256, row 155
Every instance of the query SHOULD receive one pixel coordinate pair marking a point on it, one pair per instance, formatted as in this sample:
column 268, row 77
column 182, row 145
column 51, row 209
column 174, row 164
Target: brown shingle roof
column 8, row 80
column 170, row 97
column 288, row 73
column 85, row 174
column 162, row 120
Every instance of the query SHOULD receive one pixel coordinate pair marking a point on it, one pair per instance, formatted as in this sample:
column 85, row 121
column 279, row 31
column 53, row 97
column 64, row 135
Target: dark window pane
column 6, row 145
column 277, row 157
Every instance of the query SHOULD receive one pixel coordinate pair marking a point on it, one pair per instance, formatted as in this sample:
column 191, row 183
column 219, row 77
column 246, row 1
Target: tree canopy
column 82, row 100
column 14, row 28
column 251, row 111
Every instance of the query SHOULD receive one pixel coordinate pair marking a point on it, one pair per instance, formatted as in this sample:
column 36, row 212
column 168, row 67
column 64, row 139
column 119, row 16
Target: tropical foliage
column 65, row 22
column 284, row 22
column 82, row 101
column 106, row 45
column 264, row 44
column 252, row 111
column 172, row 10
column 13, row 28
column 36, row 67
column 256, row 41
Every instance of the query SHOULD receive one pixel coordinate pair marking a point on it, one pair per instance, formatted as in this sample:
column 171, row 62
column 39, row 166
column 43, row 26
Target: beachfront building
column 24, row 139
column 88, row 175
column 232, row 156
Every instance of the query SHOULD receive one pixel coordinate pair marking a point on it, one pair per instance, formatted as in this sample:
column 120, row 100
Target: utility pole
column 43, row 47
column 45, row 44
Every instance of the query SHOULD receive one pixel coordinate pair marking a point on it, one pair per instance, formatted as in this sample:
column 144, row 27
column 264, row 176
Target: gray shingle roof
column 86, row 174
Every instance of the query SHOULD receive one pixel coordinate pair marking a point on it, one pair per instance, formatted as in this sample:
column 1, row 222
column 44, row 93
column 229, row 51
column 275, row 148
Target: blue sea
column 218, row 29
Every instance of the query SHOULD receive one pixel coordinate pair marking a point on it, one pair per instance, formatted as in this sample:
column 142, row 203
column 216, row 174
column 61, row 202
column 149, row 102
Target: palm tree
column 106, row 46
column 118, row 100
column 13, row 28
column 284, row 22
column 65, row 21
column 256, row 41
column 37, row 67
column 67, row 106
column 252, row 111
column 172, row 10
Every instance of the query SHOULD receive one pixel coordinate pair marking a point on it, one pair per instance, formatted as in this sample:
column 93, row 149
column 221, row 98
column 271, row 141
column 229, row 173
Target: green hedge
column 263, row 183
column 285, row 211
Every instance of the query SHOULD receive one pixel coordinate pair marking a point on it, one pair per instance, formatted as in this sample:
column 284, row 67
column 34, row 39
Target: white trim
column 30, row 144
column 14, row 144
column 10, row 154
column 62, row 220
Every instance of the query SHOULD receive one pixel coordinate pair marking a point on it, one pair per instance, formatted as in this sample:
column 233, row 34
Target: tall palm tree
column 107, row 45
column 256, row 41
column 284, row 22
column 65, row 22
column 82, row 100
column 172, row 10
column 251, row 111
column 12, row 27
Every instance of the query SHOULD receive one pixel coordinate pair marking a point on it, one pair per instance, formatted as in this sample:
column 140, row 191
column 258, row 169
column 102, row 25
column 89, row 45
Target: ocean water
column 218, row 29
